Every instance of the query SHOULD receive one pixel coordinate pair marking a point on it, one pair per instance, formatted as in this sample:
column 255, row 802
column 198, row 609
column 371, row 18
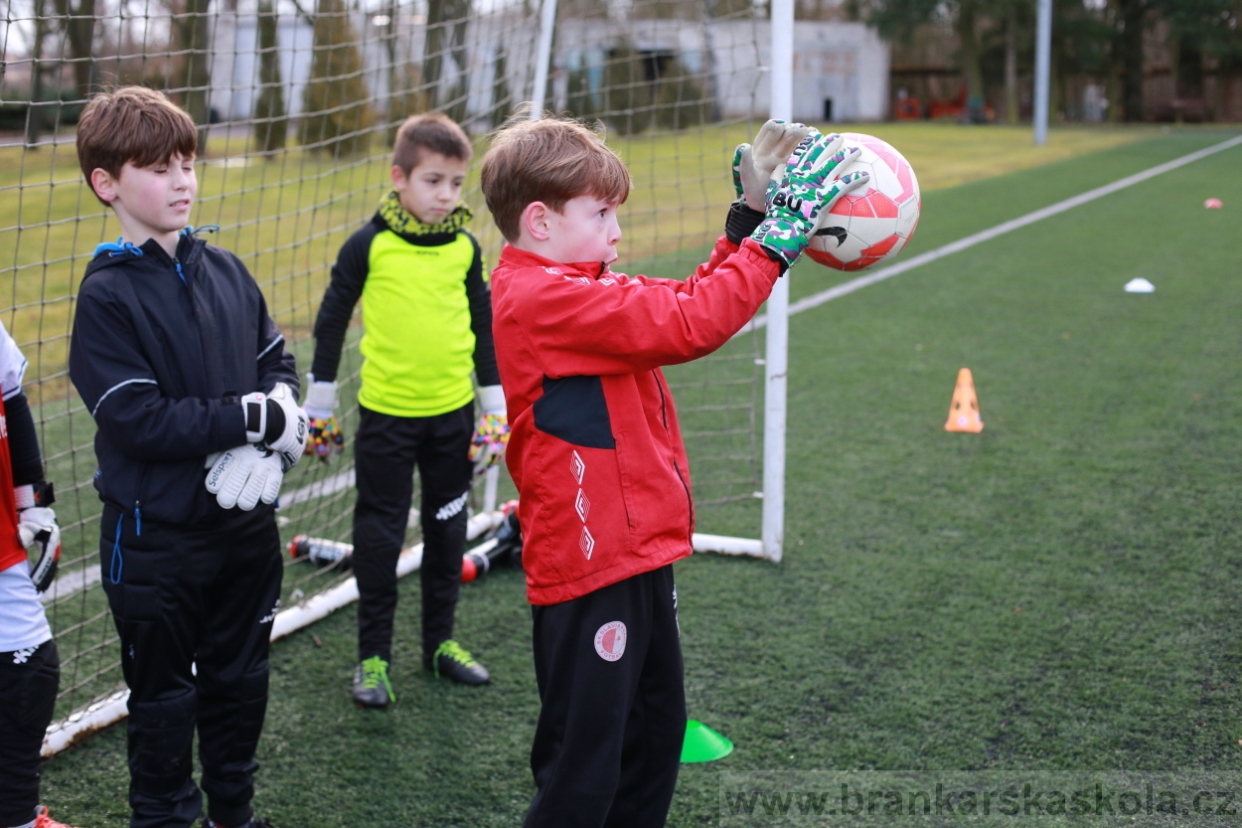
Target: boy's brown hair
column 551, row 160
column 432, row 132
column 132, row 124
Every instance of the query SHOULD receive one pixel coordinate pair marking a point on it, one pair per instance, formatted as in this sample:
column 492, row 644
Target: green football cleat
column 371, row 685
column 456, row 664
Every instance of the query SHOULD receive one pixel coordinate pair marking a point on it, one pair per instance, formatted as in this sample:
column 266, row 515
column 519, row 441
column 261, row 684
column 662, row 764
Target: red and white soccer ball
column 871, row 224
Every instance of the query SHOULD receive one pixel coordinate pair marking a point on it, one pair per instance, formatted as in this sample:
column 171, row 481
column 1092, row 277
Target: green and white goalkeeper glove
column 812, row 182
column 753, row 164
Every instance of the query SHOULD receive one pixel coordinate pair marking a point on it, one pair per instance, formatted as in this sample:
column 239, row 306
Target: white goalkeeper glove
column 753, row 164
column 244, row 475
column 491, row 430
column 290, row 442
column 278, row 422
column 38, row 530
column 324, row 437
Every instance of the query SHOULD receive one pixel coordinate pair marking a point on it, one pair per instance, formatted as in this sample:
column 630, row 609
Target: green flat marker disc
column 702, row 744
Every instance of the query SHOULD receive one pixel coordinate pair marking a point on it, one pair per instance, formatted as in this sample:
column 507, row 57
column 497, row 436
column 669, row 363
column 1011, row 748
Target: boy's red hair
column 551, row 160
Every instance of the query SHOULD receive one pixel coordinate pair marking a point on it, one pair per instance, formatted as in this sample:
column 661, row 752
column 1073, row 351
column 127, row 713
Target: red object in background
column 507, row 550
column 907, row 109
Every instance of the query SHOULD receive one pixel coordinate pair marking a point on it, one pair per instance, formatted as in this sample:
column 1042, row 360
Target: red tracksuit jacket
column 595, row 448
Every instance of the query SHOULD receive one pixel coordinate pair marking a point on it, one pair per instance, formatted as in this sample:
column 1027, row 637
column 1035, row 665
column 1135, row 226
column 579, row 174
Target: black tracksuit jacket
column 162, row 348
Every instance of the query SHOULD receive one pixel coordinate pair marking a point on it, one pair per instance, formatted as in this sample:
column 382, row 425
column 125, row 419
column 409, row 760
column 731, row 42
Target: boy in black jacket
column 181, row 367
column 427, row 320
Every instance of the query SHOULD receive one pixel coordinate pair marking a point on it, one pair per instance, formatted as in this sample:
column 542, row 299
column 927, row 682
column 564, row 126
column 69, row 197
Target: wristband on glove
column 254, row 412
column 808, row 187
column 741, row 221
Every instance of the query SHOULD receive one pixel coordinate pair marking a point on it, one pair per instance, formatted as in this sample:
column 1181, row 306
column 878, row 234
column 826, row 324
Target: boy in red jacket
column 595, row 448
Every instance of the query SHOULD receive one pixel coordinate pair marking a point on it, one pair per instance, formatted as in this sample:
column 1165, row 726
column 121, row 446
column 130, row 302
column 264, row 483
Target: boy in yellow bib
column 427, row 327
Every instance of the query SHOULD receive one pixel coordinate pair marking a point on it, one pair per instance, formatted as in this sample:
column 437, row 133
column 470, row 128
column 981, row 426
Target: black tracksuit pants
column 29, row 680
column 613, row 713
column 386, row 451
column 194, row 608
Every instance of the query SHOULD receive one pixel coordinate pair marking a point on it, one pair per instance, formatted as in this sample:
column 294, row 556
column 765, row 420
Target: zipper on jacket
column 676, row 467
column 142, row 490
column 689, row 499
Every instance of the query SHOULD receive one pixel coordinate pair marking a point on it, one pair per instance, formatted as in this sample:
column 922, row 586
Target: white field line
column 71, row 582
column 861, row 282
column 320, row 488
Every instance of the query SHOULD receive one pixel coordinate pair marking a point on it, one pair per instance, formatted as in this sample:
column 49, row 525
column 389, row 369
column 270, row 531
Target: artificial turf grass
column 1056, row 592
column 1053, row 593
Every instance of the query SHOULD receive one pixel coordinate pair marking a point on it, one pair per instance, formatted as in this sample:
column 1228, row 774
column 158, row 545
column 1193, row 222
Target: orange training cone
column 964, row 410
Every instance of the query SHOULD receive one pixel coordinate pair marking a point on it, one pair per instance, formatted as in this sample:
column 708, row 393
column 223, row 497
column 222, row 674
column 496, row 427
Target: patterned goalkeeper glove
column 753, row 164
column 491, row 431
column 325, row 437
column 810, row 185
column 752, row 171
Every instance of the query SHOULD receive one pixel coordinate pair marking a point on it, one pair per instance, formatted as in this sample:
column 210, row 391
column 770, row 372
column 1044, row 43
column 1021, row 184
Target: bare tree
column 271, row 118
column 78, row 24
column 335, row 109
column 446, row 36
column 34, row 114
column 192, row 30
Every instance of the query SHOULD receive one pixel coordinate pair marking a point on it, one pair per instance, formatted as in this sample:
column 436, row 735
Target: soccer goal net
column 297, row 102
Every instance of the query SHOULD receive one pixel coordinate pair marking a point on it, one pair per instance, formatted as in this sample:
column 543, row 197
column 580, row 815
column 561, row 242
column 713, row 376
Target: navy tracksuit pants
column 194, row 608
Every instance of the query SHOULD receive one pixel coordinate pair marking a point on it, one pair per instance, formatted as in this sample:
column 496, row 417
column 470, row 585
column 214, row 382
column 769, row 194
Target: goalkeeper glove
column 752, row 171
column 276, row 421
column 37, row 529
column 753, row 164
column 491, row 431
column 811, row 183
column 288, row 439
column 244, row 475
column 325, row 437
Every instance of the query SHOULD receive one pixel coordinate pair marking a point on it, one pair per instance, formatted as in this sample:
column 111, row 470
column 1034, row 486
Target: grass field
column 1056, row 593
